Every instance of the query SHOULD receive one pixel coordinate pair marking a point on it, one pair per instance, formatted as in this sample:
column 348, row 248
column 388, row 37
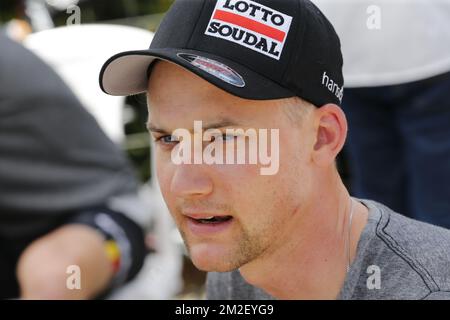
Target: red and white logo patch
column 250, row 24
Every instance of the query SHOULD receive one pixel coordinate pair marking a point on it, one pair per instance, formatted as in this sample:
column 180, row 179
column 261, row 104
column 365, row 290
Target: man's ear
column 331, row 128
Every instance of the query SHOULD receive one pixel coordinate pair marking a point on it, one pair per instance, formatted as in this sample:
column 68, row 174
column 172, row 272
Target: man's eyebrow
column 152, row 128
column 213, row 125
column 220, row 124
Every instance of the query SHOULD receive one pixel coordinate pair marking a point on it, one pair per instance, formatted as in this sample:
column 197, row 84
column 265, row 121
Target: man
column 294, row 233
column 67, row 229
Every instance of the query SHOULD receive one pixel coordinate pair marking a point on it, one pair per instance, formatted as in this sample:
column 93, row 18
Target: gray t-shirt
column 397, row 258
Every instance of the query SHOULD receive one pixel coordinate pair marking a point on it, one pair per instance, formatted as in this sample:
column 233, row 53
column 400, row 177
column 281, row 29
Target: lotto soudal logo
column 250, row 24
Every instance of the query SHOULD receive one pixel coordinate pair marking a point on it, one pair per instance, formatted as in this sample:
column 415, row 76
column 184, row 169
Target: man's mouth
column 211, row 220
column 204, row 224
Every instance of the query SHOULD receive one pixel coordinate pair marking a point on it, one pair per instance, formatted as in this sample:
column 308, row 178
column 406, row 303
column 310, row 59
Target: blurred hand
column 43, row 265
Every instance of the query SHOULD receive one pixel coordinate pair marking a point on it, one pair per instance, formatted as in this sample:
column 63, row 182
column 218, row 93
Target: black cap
column 254, row 49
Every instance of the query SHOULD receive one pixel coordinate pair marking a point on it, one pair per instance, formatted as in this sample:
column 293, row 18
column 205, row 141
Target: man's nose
column 191, row 180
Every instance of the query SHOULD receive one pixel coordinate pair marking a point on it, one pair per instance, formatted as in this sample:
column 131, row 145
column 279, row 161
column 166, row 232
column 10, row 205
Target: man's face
column 257, row 212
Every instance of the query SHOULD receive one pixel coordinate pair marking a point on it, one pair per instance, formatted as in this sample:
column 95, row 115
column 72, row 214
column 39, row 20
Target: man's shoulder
column 414, row 259
column 423, row 248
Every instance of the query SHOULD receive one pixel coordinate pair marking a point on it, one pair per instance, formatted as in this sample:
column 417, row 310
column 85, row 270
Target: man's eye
column 225, row 137
column 167, row 139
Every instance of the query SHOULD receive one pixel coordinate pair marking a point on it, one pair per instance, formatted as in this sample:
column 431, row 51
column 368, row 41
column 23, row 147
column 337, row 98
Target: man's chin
column 212, row 257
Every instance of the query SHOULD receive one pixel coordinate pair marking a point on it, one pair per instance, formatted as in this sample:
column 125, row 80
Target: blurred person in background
column 397, row 100
column 68, row 196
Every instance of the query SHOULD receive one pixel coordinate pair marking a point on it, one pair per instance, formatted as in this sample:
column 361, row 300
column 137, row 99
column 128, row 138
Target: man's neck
column 312, row 263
